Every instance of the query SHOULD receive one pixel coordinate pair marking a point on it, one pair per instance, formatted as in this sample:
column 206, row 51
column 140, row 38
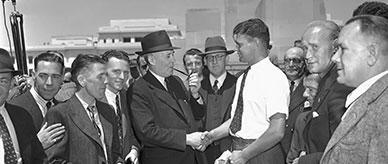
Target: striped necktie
column 9, row 151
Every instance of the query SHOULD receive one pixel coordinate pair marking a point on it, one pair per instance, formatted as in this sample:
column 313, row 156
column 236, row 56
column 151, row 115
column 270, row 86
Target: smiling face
column 319, row 49
column 193, row 63
column 48, row 78
column 294, row 64
column 351, row 58
column 118, row 74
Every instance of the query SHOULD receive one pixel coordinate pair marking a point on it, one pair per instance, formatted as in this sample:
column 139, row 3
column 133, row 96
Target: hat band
column 158, row 47
column 215, row 48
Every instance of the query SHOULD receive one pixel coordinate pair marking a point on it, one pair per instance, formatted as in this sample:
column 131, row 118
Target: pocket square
column 315, row 114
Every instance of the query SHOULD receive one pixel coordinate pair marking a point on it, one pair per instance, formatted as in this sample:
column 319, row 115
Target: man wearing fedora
column 217, row 91
column 18, row 143
column 161, row 107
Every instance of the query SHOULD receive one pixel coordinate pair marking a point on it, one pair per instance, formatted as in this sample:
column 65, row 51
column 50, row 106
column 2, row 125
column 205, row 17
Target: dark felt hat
column 214, row 45
column 155, row 42
column 6, row 63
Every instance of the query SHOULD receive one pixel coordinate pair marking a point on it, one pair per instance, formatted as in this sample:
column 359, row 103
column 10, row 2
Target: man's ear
column 151, row 59
column 81, row 80
column 372, row 54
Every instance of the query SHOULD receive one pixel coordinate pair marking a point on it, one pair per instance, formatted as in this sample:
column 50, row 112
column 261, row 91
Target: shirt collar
column 2, row 107
column 84, row 104
column 261, row 63
column 220, row 79
column 160, row 79
column 39, row 99
column 362, row 88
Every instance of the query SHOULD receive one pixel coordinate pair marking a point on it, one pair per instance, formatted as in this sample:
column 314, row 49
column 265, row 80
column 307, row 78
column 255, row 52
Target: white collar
column 84, row 104
column 261, row 63
column 220, row 79
column 39, row 99
column 362, row 88
column 160, row 79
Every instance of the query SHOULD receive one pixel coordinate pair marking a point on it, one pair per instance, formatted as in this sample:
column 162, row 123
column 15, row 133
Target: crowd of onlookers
column 325, row 103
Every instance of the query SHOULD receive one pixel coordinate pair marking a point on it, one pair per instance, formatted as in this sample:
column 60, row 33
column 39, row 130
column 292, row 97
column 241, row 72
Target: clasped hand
column 200, row 140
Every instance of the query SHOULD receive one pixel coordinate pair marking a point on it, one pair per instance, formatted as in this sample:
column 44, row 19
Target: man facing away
column 261, row 100
column 48, row 78
column 91, row 134
column 362, row 62
column 118, row 72
column 18, row 141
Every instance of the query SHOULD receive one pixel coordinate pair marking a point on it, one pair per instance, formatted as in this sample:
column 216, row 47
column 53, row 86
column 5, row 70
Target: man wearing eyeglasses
column 217, row 91
column 48, row 78
column 295, row 70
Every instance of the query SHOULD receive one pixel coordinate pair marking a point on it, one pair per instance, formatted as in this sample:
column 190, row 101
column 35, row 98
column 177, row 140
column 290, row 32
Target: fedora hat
column 214, row 45
column 6, row 63
column 155, row 42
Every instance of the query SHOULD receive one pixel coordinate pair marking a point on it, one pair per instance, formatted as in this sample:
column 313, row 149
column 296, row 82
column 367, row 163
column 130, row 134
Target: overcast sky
column 46, row 18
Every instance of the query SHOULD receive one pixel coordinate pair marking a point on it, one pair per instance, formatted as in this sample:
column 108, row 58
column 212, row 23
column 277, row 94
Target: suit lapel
column 163, row 95
column 297, row 97
column 36, row 112
column 82, row 120
column 124, row 110
column 106, row 125
column 357, row 111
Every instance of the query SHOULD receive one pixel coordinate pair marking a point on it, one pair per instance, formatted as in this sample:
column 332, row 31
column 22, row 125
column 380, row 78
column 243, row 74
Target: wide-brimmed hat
column 6, row 63
column 155, row 42
column 214, row 45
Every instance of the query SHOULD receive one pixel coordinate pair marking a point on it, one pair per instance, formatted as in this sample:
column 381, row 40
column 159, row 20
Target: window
column 126, row 39
column 138, row 39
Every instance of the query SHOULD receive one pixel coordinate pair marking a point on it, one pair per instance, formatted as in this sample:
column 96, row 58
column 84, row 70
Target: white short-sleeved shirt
column 266, row 92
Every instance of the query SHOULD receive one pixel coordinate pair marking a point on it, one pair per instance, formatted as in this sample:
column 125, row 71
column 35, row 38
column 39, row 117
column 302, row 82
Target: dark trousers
column 273, row 155
column 212, row 152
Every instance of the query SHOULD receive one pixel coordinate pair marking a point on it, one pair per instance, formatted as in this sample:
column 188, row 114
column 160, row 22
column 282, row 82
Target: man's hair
column 372, row 8
column 82, row 62
column 331, row 26
column 192, row 52
column 50, row 56
column 121, row 55
column 254, row 28
column 374, row 26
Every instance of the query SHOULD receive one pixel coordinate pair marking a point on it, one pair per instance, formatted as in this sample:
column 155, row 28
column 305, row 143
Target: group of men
column 326, row 105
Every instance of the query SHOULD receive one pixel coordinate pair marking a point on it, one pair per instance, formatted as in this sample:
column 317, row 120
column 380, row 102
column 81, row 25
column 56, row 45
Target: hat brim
column 228, row 52
column 163, row 49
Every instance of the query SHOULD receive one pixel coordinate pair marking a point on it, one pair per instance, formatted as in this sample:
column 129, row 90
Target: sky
column 46, row 18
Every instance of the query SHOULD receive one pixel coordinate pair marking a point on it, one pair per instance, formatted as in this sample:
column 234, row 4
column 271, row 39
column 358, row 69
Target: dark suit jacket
column 161, row 120
column 81, row 143
column 129, row 138
column 329, row 103
column 362, row 136
column 30, row 148
column 27, row 102
column 218, row 105
column 294, row 109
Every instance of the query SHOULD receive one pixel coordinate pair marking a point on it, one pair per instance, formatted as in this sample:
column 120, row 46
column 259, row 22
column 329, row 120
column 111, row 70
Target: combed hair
column 82, row 62
column 50, row 56
column 371, row 25
column 121, row 55
column 372, row 8
column 254, row 28
column 333, row 28
column 192, row 52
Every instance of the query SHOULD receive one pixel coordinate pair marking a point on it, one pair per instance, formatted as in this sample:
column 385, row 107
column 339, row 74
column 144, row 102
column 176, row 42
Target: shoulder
column 17, row 112
column 24, row 99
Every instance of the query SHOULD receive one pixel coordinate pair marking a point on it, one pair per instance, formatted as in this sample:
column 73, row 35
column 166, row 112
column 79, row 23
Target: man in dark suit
column 91, row 134
column 295, row 70
column 362, row 62
column 18, row 141
column 320, row 38
column 118, row 71
column 48, row 78
column 161, row 111
column 217, row 92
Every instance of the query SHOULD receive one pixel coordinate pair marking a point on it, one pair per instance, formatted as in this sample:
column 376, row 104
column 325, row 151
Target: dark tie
column 92, row 112
column 292, row 84
column 119, row 120
column 215, row 87
column 235, row 125
column 48, row 105
column 9, row 151
column 169, row 89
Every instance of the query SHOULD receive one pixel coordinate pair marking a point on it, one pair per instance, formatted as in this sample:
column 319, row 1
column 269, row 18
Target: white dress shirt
column 361, row 89
column 111, row 98
column 160, row 79
column 98, row 122
column 220, row 80
column 266, row 92
column 40, row 101
column 12, row 133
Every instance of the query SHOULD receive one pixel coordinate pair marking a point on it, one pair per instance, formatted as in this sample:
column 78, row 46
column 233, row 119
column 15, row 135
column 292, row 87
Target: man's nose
column 49, row 80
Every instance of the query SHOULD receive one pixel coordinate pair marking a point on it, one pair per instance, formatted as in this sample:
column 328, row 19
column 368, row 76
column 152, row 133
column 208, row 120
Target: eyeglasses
column 215, row 57
column 294, row 60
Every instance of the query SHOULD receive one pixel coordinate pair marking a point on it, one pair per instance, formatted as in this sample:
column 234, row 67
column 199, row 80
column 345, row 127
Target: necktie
column 48, row 105
column 292, row 84
column 235, row 125
column 215, row 87
column 9, row 151
column 92, row 113
column 169, row 89
column 119, row 120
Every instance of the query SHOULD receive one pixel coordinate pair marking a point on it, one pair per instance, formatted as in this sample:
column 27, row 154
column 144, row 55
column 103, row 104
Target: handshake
column 199, row 140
